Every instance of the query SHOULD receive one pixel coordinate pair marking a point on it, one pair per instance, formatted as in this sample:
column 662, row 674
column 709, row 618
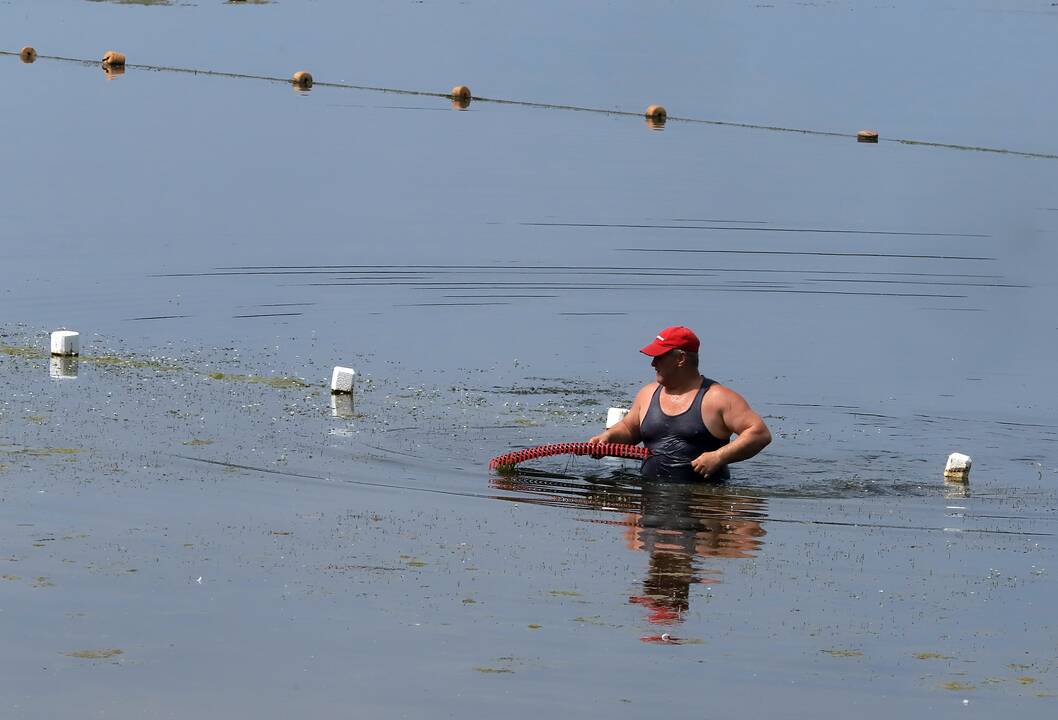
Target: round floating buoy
column 27, row 54
column 302, row 79
column 112, row 58
column 657, row 113
column 461, row 92
column 867, row 136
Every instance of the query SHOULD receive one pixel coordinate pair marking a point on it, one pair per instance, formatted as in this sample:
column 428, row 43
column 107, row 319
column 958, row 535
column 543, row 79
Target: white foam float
column 65, row 343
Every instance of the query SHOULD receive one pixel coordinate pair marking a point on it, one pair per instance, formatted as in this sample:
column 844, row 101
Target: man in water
column 686, row 419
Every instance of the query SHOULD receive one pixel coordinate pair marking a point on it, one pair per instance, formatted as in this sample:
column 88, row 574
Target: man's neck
column 684, row 385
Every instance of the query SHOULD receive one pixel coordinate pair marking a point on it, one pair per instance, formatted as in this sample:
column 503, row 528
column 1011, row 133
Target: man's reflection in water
column 677, row 524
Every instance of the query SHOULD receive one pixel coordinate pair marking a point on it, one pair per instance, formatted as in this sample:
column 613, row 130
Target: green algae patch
column 198, row 441
column 534, row 626
column 11, row 578
column 103, row 654
column 38, row 419
column 29, row 353
column 42, row 582
column 497, row 671
column 412, row 561
column 48, row 451
column 564, row 593
column 281, row 382
column 1026, row 680
column 932, row 656
column 595, row 620
column 956, row 685
column 837, row 652
column 470, row 601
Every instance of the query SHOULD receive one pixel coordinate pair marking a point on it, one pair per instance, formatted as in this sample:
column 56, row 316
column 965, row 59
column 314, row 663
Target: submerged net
column 620, row 450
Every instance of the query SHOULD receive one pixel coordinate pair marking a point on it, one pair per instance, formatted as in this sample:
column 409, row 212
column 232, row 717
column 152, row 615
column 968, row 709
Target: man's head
column 673, row 338
column 675, row 355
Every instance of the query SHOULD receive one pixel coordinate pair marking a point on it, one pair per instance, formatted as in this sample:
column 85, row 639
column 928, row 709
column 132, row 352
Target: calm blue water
column 883, row 305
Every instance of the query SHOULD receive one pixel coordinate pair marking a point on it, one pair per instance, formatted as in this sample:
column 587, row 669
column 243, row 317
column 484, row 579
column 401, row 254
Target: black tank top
column 675, row 440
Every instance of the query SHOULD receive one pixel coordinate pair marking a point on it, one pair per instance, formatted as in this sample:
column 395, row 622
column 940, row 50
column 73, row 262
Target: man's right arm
column 626, row 431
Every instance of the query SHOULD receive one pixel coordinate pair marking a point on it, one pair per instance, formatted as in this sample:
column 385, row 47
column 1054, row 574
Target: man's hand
column 707, row 463
column 595, row 440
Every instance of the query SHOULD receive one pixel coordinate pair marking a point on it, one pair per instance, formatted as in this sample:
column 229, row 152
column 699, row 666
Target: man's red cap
column 673, row 338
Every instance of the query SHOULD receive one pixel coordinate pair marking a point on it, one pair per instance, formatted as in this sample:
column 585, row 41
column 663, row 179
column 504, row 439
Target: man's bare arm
column 626, row 431
column 740, row 419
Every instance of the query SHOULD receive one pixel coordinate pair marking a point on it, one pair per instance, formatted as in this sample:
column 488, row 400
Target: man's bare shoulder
column 721, row 395
column 647, row 390
column 642, row 398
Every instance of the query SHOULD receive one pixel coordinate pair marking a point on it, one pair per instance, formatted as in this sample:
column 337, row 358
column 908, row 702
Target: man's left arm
column 739, row 419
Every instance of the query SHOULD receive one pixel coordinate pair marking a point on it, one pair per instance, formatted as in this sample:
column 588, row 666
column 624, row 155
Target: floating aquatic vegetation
column 198, row 441
column 933, row 656
column 103, row 654
column 44, row 451
column 281, row 382
column 843, row 653
column 29, row 353
column 956, row 685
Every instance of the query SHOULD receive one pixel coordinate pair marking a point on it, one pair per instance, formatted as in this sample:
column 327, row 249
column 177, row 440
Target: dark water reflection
column 682, row 527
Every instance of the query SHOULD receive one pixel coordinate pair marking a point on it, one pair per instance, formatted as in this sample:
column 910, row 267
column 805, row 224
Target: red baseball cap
column 673, row 338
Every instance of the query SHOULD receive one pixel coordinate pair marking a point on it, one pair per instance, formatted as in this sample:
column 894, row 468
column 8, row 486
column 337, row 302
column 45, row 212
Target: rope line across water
column 633, row 452
column 556, row 106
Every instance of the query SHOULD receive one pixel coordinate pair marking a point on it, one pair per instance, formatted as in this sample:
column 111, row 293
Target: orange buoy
column 461, row 92
column 657, row 112
column 112, row 58
column 27, row 54
column 656, row 123
column 867, row 136
column 302, row 79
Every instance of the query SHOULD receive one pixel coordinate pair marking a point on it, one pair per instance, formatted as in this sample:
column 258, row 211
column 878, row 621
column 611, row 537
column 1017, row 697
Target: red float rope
column 511, row 459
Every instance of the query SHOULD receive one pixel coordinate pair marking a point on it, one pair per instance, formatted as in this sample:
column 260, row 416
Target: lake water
column 188, row 494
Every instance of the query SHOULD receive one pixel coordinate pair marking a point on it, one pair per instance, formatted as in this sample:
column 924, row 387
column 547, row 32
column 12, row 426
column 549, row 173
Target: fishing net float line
column 460, row 95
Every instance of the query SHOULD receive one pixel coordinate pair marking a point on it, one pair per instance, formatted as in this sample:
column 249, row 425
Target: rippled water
column 188, row 494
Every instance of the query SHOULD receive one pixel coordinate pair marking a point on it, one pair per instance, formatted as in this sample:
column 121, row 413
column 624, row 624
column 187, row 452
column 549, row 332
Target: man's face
column 665, row 366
